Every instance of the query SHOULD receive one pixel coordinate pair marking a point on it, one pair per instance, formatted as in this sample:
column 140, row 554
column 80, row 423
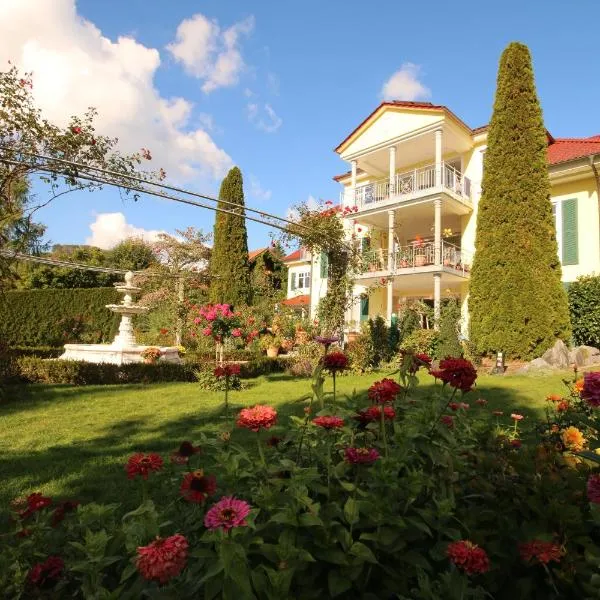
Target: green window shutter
column 293, row 281
column 365, row 244
column 324, row 265
column 570, row 254
column 364, row 308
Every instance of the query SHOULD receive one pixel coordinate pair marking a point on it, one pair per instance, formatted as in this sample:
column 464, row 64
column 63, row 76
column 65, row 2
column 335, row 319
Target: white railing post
column 392, row 170
column 437, row 223
column 438, row 158
column 353, row 183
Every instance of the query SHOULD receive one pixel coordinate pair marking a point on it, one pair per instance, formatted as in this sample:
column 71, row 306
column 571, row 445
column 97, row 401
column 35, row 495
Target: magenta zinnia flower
column 593, row 488
column 229, row 512
column 162, row 559
column 361, row 456
column 591, row 388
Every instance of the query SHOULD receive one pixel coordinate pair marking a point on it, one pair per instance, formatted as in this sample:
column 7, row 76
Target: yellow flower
column 573, row 439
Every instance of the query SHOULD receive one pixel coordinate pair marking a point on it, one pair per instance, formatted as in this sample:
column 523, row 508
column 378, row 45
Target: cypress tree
column 517, row 303
column 229, row 269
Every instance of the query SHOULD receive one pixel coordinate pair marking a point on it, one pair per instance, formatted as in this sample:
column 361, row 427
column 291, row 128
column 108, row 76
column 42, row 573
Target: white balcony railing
column 415, row 256
column 415, row 183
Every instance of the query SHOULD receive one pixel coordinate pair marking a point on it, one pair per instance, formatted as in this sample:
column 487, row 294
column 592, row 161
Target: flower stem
column 227, row 397
column 383, row 433
column 260, row 450
column 333, row 375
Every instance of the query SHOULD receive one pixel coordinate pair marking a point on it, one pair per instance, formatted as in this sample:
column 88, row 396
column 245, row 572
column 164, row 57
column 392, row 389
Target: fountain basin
column 115, row 354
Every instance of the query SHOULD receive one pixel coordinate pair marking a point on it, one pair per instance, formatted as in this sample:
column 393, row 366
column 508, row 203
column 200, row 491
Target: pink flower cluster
column 162, row 559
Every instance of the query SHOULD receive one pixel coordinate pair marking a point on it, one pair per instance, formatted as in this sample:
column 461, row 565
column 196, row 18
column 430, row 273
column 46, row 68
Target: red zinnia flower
column 273, row 441
column 481, row 401
column 457, row 372
column 593, row 488
column 227, row 513
column 591, row 388
column 227, row 371
column 373, row 413
column 543, row 552
column 468, row 556
column 184, row 452
column 448, row 420
column 497, row 413
column 384, row 391
column 32, row 504
column 143, row 464
column 329, row 422
column 47, row 573
column 516, row 443
column 335, row 361
column 454, row 406
column 162, row 559
column 361, row 456
column 196, row 486
column 63, row 508
column 257, row 417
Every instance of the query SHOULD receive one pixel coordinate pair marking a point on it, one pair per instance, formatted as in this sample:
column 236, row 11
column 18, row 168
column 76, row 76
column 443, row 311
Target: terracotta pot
column 287, row 345
column 302, row 337
column 447, row 262
column 273, row 352
column 150, row 361
column 420, row 260
column 352, row 336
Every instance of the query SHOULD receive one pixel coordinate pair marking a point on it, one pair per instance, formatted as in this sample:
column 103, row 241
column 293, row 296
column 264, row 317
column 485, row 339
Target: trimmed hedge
column 39, row 351
column 584, row 305
column 36, row 317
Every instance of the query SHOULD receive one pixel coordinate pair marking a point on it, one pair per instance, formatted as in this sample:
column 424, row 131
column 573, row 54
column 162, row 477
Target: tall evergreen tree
column 229, row 270
column 517, row 303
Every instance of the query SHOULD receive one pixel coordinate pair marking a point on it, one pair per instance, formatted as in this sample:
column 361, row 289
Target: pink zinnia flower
column 361, row 456
column 229, row 512
column 593, row 488
column 329, row 422
column 468, row 556
column 162, row 559
column 516, row 417
column 257, row 417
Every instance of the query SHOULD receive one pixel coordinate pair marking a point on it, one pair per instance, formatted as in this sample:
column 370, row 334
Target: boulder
column 537, row 364
column 557, row 356
column 584, row 356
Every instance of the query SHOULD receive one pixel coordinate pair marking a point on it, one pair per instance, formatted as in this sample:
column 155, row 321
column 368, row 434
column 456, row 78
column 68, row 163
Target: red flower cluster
column 458, row 406
column 447, row 420
column 384, row 391
column 257, row 417
column 227, row 371
column 33, row 503
column 47, row 573
column 361, row 456
column 457, row 372
column 468, row 556
column 227, row 513
column 196, row 486
column 61, row 510
column 373, row 413
column 538, row 550
column 329, row 422
column 593, row 488
column 481, row 401
column 143, row 464
column 335, row 361
column 591, row 388
column 163, row 331
column 183, row 454
column 162, row 559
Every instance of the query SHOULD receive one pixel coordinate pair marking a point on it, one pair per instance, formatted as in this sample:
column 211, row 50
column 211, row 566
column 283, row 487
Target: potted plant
column 271, row 344
column 151, row 354
column 287, row 344
column 419, row 252
column 302, row 336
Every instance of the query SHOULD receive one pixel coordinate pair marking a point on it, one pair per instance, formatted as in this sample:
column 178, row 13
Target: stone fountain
column 124, row 348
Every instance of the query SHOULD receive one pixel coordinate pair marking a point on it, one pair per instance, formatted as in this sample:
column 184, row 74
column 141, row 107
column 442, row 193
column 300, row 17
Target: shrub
column 360, row 352
column 584, row 304
column 421, row 341
column 448, row 343
column 39, row 351
column 307, row 357
column 380, row 340
column 208, row 381
column 46, row 317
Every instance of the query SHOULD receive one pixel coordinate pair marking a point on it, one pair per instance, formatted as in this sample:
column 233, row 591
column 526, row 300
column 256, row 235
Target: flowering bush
column 151, row 354
column 390, row 497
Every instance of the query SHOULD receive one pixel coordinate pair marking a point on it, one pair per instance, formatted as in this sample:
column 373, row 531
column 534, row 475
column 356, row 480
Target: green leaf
column 363, row 552
column 589, row 456
column 128, row 571
column 309, row 520
column 351, row 511
column 337, row 583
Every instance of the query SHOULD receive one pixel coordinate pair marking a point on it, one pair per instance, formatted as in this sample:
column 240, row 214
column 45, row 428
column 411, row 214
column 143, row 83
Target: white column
column 390, row 266
column 438, row 157
column 390, row 301
column 437, row 231
column 437, row 297
column 392, row 173
column 353, row 183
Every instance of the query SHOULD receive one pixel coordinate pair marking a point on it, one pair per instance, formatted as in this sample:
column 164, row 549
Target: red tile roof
column 295, row 255
column 252, row 254
column 565, row 149
column 303, row 300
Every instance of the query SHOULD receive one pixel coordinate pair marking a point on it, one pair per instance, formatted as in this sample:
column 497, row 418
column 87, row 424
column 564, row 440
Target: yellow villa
column 414, row 178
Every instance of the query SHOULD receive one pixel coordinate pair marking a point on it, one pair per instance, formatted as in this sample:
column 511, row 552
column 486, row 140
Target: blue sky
column 304, row 75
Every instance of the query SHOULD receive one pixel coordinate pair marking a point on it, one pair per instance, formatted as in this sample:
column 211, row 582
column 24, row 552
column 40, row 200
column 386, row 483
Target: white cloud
column 265, row 118
column 210, row 53
column 257, row 191
column 248, row 93
column 75, row 66
column 111, row 228
column 273, row 83
column 311, row 203
column 405, row 85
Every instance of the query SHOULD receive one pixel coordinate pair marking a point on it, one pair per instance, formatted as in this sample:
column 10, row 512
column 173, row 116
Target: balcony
column 411, row 185
column 417, row 258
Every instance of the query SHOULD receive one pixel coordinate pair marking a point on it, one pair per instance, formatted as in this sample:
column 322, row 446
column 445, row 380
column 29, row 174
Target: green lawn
column 73, row 441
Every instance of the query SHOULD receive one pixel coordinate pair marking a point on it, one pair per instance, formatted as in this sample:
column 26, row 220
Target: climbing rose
column 543, row 552
column 162, row 559
column 468, row 556
column 335, row 361
column 458, row 373
column 47, row 573
column 329, row 422
column 572, row 439
column 257, row 417
column 361, row 456
column 183, row 454
column 227, row 371
column 384, row 391
column 591, row 388
column 142, row 465
column 229, row 512
column 373, row 413
column 196, row 486
column 593, row 488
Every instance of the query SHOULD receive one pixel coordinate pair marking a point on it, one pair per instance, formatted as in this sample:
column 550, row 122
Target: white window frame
column 557, row 213
column 303, row 280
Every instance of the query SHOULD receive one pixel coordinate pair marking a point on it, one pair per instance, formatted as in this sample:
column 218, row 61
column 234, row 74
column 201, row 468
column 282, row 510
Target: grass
column 72, row 442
